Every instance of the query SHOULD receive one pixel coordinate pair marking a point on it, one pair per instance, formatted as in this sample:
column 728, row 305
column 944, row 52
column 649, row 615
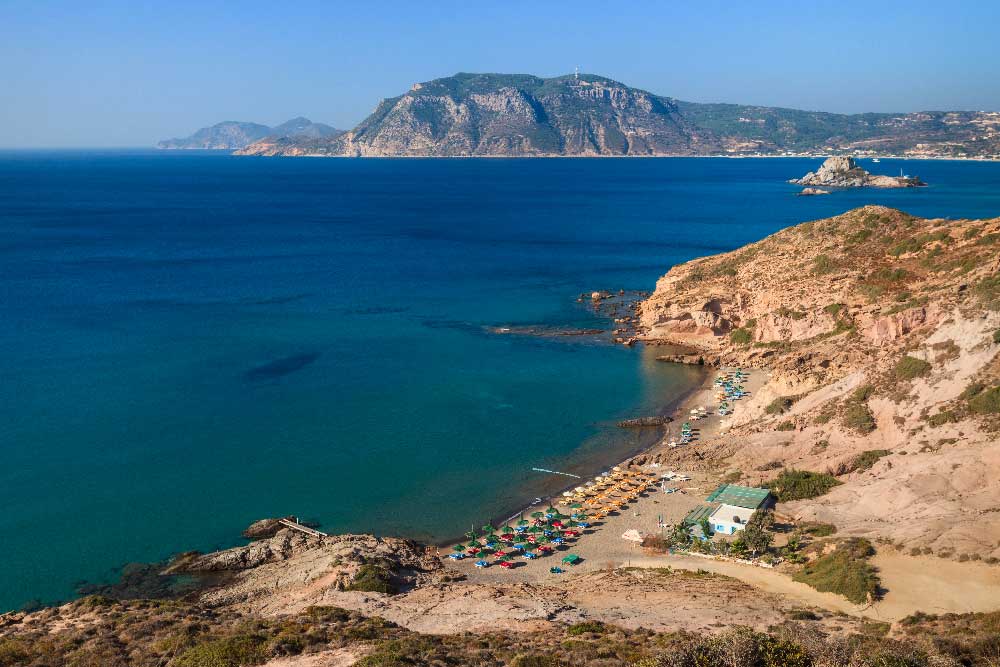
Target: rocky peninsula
column 845, row 172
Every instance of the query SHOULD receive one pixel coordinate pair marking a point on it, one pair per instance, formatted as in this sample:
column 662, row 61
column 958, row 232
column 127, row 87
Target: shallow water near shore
column 192, row 341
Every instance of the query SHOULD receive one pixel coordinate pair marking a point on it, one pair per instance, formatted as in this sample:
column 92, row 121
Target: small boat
column 875, row 159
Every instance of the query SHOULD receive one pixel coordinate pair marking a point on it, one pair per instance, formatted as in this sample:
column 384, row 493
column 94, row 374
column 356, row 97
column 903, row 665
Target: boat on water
column 875, row 159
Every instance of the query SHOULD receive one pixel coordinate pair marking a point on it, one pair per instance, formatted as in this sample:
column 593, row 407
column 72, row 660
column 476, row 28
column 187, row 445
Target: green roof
column 741, row 496
column 698, row 513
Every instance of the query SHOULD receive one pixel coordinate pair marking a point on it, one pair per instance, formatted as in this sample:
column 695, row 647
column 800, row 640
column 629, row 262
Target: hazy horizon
column 114, row 75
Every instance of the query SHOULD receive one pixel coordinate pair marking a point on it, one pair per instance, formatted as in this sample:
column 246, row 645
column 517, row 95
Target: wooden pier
column 295, row 525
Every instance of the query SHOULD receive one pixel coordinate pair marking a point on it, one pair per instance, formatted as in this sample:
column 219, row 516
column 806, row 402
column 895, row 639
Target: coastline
column 651, row 438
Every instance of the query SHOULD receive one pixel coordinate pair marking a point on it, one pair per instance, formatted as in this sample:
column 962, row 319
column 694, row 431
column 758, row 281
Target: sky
column 120, row 74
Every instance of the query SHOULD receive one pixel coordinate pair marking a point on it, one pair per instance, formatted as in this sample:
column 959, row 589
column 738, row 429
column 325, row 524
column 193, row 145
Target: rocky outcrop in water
column 844, row 172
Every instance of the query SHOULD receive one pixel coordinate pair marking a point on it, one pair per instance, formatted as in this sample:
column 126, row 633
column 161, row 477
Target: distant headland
column 520, row 115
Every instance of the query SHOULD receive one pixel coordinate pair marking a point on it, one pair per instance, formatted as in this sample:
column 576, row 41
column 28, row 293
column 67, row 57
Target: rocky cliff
column 881, row 334
column 589, row 115
column 492, row 114
column 845, row 172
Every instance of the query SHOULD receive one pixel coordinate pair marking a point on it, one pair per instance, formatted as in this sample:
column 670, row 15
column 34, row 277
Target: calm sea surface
column 189, row 342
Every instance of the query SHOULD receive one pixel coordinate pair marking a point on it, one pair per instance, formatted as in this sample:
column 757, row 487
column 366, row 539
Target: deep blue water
column 189, row 342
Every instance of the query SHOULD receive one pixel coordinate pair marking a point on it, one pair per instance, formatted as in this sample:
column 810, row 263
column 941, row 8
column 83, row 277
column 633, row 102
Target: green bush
column 823, row 264
column 942, row 418
column 235, row 651
column 868, row 458
column 741, row 336
column 817, row 528
column 996, row 336
column 862, row 393
column 833, row 309
column 785, row 426
column 858, row 417
column 584, row 627
column 909, row 368
column 844, row 571
column 13, row 652
column 986, row 402
column 372, row 579
column 800, row 484
column 974, row 389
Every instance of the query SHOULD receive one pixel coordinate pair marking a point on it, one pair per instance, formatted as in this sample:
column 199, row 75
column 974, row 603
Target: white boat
column 875, row 159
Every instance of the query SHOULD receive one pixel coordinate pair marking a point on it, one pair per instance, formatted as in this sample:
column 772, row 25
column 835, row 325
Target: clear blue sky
column 130, row 73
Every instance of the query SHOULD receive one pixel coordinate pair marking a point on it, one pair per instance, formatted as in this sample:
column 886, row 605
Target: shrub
column 801, row 484
column 844, row 571
column 785, row 426
column 863, row 393
column 234, row 651
column 996, row 336
column 740, row 336
column 778, row 405
column 986, row 402
column 584, row 627
column 859, row 418
column 942, row 418
column 974, row 389
column 833, row 309
column 909, row 368
column 823, row 264
column 13, row 652
column 868, row 458
column 817, row 528
column 802, row 615
column 372, row 579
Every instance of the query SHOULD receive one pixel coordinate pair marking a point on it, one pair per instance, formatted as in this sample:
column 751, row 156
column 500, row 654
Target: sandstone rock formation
column 881, row 329
column 844, row 172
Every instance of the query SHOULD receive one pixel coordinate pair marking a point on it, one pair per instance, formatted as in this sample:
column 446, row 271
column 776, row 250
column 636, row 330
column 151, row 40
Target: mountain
column 233, row 135
column 524, row 115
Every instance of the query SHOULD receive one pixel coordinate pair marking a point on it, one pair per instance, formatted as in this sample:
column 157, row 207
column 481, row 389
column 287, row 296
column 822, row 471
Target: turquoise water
column 190, row 342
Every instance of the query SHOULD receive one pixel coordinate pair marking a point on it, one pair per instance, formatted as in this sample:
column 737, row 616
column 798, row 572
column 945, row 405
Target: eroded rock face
column 514, row 115
column 289, row 544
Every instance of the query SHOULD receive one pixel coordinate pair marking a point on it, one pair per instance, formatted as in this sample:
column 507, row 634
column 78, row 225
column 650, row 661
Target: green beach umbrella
column 537, row 515
column 459, row 548
column 535, row 529
column 488, row 530
column 472, row 543
column 551, row 510
column 523, row 522
column 575, row 506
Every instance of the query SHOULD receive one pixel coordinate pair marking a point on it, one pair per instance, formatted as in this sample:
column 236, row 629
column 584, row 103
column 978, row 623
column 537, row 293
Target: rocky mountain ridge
column 587, row 115
column 234, row 135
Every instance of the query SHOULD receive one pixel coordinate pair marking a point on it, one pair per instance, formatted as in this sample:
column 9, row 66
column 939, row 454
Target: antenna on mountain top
column 576, row 72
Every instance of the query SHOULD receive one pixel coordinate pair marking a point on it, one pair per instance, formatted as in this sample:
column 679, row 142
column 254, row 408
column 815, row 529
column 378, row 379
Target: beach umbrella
column 472, row 543
column 537, row 515
column 523, row 522
column 551, row 510
column 459, row 548
column 535, row 529
column 488, row 529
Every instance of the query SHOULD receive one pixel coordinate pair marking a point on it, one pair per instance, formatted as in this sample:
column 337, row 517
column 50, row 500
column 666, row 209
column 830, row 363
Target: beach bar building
column 735, row 505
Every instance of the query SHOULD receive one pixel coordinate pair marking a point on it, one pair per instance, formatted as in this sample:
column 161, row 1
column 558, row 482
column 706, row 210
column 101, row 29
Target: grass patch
column 844, row 571
column 909, row 368
column 800, row 484
column 822, row 264
column 833, row 309
column 785, row 426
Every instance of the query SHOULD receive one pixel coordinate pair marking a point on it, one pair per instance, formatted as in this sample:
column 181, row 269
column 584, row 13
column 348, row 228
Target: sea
column 190, row 341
